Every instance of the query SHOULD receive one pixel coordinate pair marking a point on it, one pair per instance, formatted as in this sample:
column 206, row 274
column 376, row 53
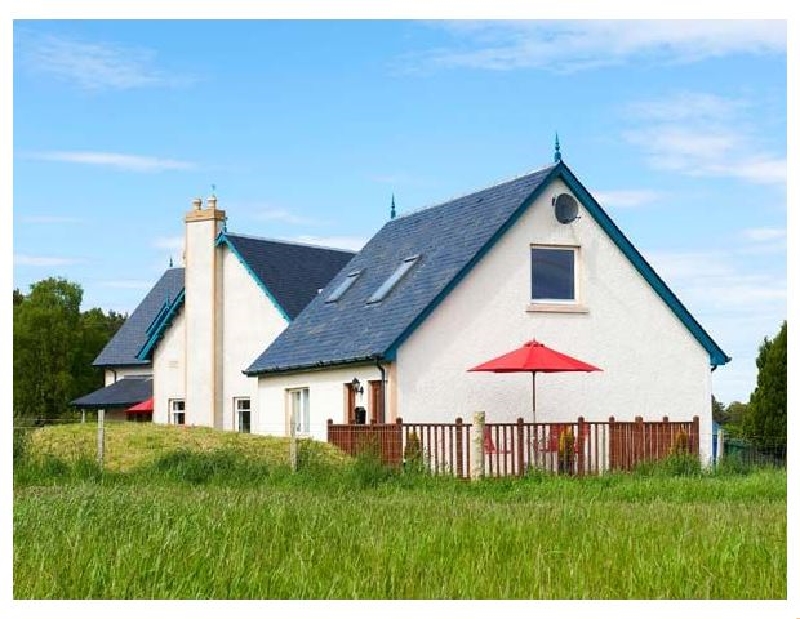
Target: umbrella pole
column 533, row 392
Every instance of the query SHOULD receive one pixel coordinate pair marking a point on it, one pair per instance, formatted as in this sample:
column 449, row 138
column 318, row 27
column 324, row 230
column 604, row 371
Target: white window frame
column 302, row 422
column 237, row 409
column 173, row 410
column 576, row 264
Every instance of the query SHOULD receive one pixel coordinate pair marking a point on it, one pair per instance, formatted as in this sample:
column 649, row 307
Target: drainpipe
column 383, row 383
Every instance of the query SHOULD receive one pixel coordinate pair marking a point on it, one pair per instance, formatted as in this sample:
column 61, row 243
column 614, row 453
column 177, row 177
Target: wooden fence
column 508, row 449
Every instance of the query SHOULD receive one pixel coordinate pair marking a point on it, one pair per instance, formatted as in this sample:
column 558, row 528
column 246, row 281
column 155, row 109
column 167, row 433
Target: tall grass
column 219, row 523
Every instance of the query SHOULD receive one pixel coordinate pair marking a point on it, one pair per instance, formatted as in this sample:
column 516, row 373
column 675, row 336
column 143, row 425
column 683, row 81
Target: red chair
column 488, row 444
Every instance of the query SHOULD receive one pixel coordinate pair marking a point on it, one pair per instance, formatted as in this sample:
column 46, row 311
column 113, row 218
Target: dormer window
column 386, row 287
column 343, row 287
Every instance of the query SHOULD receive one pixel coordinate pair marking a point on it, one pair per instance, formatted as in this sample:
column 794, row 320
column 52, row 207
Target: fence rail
column 510, row 449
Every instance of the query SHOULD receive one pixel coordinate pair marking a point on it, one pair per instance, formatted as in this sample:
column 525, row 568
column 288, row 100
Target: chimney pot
column 197, row 203
column 212, row 202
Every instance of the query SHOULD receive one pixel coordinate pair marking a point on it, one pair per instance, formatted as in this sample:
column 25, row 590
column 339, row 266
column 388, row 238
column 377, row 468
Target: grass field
column 209, row 522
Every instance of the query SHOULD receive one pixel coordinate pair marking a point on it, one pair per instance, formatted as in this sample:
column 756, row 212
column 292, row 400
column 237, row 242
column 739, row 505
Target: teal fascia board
column 223, row 239
column 716, row 355
column 166, row 320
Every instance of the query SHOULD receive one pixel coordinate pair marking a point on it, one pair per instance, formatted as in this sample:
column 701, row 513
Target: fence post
column 696, row 432
column 582, row 435
column 638, row 441
column 328, row 430
column 101, row 436
column 459, row 447
column 292, row 445
column 612, row 447
column 520, row 446
column 398, row 442
column 478, row 421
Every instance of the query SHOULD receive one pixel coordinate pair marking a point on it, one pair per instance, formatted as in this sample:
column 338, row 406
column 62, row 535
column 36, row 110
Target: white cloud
column 702, row 135
column 172, row 243
column 43, row 261
column 764, row 234
column 93, row 65
column 566, row 46
column 353, row 243
column 626, row 198
column 285, row 216
column 127, row 284
column 50, row 219
column 121, row 161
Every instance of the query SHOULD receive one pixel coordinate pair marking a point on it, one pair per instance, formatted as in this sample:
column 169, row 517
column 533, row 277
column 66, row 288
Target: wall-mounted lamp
column 356, row 385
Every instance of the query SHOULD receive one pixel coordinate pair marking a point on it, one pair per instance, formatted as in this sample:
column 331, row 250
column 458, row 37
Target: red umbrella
column 534, row 357
column 141, row 407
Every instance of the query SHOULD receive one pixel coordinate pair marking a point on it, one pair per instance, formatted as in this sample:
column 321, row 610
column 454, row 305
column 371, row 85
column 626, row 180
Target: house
column 442, row 289
column 186, row 343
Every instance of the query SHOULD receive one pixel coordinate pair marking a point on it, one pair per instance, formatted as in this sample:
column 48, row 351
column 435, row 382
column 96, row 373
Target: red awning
column 141, row 407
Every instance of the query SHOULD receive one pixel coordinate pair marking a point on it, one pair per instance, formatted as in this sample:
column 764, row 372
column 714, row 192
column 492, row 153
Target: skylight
column 343, row 287
column 391, row 281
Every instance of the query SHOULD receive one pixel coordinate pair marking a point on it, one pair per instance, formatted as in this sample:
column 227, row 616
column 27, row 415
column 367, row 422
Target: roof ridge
column 253, row 237
column 455, row 197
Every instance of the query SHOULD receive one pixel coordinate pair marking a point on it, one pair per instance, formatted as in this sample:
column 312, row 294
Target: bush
column 413, row 460
column 675, row 465
column 680, row 445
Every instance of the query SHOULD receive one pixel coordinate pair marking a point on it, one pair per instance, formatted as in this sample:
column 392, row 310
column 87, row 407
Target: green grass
column 215, row 524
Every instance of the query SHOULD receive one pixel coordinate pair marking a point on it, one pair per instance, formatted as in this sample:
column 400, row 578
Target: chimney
column 202, row 310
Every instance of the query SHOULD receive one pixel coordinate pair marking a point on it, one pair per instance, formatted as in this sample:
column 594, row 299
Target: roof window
column 386, row 287
column 343, row 287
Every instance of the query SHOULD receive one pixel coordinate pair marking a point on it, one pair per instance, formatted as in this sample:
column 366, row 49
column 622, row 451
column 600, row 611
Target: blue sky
column 307, row 127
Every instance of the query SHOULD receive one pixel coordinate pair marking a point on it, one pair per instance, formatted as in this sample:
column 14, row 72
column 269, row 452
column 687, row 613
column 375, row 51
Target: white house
column 438, row 291
column 187, row 342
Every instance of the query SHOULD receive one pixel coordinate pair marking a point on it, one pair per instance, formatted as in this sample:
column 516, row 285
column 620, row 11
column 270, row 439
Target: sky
column 304, row 129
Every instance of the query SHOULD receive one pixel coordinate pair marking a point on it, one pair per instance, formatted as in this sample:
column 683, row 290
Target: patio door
column 376, row 412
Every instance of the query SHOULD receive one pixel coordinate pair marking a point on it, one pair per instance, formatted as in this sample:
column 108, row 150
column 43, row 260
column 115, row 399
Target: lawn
column 208, row 523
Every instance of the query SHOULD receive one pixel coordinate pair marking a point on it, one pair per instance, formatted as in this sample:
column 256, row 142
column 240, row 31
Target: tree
column 717, row 410
column 765, row 418
column 54, row 346
column 18, row 297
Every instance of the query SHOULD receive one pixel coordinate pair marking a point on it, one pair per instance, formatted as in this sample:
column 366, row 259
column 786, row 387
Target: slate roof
column 123, row 393
column 291, row 273
column 449, row 238
column 122, row 349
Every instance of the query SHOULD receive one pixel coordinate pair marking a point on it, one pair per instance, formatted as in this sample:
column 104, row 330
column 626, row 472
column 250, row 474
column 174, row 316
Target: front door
column 376, row 412
column 349, row 403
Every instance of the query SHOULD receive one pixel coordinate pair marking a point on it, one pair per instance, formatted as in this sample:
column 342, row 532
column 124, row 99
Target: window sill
column 558, row 308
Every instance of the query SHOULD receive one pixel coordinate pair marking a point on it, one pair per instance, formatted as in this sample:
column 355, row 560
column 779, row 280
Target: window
column 553, row 274
column 241, row 414
column 343, row 287
column 178, row 412
column 391, row 281
column 300, row 411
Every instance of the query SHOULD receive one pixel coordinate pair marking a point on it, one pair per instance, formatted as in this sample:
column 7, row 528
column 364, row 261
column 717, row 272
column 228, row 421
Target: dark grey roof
column 292, row 273
column 124, row 392
column 128, row 341
column 448, row 237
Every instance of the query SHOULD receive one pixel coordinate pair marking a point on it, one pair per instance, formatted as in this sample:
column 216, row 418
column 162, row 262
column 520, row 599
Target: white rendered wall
column 169, row 363
column 250, row 322
column 326, row 397
column 652, row 366
column 142, row 370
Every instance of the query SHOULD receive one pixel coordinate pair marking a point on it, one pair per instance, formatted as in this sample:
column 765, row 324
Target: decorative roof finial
column 170, row 262
column 214, row 188
column 557, row 156
column 393, row 211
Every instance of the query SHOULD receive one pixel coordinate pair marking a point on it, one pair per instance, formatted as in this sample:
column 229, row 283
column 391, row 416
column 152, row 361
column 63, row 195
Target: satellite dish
column 566, row 208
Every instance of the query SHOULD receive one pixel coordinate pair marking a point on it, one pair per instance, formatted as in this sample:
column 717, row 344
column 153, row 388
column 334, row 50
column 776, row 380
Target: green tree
column 765, row 418
column 54, row 346
column 717, row 410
